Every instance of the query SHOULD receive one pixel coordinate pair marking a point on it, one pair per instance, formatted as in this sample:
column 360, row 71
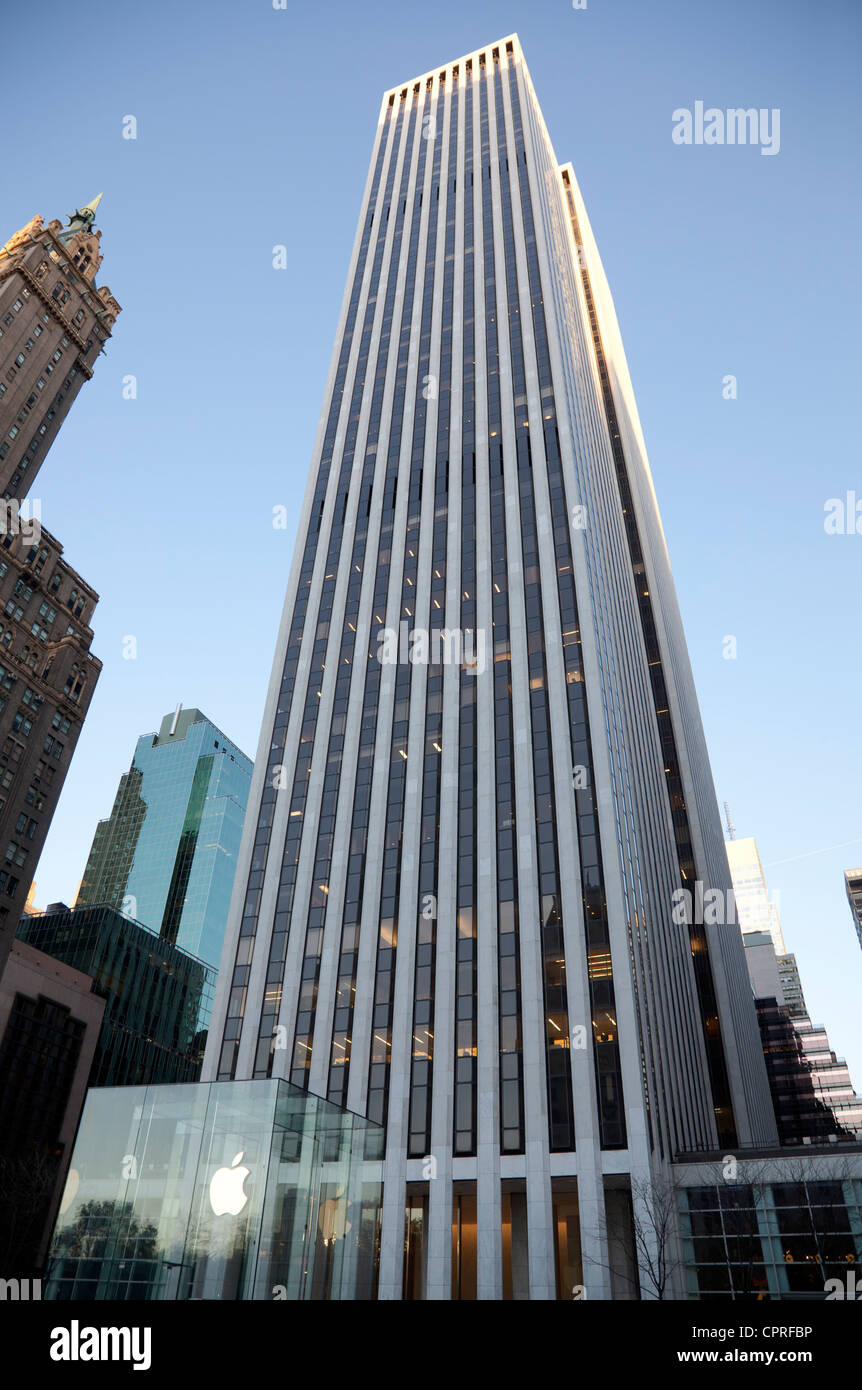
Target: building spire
column 81, row 220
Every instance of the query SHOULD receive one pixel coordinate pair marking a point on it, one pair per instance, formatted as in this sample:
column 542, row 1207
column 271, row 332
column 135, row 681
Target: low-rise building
column 50, row 1021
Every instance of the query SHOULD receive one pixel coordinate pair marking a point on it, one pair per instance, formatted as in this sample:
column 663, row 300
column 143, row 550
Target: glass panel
column 232, row 1190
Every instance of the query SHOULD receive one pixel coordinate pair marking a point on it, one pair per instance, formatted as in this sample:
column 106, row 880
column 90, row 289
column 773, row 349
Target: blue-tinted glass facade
column 166, row 856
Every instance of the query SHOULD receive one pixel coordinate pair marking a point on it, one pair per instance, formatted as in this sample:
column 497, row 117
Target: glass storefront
column 771, row 1240
column 229, row 1190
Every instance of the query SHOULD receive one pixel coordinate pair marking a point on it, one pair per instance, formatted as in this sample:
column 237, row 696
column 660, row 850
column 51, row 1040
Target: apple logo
column 226, row 1188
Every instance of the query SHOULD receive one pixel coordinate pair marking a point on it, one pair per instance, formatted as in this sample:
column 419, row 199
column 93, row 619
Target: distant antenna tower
column 731, row 828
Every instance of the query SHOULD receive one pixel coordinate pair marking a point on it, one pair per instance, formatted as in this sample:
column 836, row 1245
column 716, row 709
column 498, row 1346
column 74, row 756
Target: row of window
column 36, row 559
column 47, row 614
column 47, row 419
column 42, row 777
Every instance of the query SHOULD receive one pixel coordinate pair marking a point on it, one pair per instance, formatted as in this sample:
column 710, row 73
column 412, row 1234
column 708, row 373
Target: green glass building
column 166, row 855
column 159, row 997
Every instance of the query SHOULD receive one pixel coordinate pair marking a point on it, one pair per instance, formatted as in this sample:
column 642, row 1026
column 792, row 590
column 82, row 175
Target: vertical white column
column 591, row 1206
column 394, row 1168
column 539, row 1209
column 318, row 1076
column 439, row 1245
column 488, row 1193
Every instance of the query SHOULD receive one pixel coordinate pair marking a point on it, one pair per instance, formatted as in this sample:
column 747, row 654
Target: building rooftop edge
column 163, row 741
column 457, row 62
column 132, row 922
column 34, row 239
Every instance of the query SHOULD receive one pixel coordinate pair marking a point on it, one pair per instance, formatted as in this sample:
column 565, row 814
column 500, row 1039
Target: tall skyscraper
column 830, row 1074
column 853, row 886
column 812, row 1102
column 54, row 322
column 756, row 910
column 482, row 782
column 167, row 854
column 791, row 986
column 810, row 1084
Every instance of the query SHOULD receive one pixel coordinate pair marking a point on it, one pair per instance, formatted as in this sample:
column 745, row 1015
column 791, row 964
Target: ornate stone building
column 54, row 322
column 47, row 678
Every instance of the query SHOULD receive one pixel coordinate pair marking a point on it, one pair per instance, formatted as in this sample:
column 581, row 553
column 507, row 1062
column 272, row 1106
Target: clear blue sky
column 255, row 128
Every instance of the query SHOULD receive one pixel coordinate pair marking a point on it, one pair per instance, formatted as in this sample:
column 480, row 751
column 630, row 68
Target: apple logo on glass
column 226, row 1188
